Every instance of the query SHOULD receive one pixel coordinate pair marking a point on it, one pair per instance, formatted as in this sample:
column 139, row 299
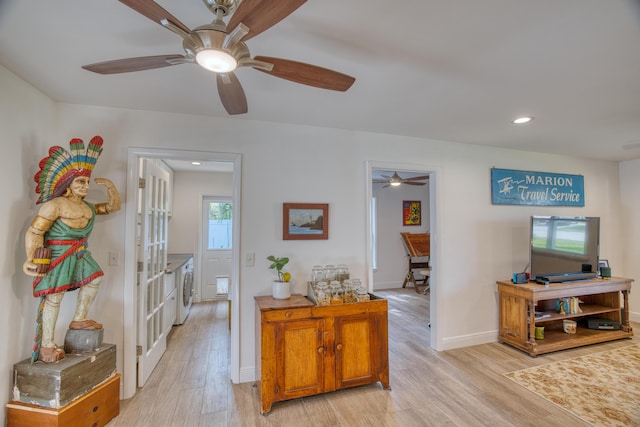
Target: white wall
column 630, row 209
column 393, row 262
column 27, row 123
column 476, row 243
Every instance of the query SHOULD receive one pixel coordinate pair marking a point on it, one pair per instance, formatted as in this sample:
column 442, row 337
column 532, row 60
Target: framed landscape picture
column 305, row 221
column 411, row 212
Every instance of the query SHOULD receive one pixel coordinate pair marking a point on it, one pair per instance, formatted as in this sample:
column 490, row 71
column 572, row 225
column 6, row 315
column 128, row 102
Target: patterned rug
column 602, row 389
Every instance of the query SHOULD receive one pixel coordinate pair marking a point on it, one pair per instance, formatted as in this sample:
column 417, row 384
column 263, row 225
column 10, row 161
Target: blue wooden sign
column 514, row 187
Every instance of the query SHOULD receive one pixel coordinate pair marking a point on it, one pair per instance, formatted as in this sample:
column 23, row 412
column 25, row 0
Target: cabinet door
column 299, row 359
column 513, row 318
column 355, row 350
column 170, row 308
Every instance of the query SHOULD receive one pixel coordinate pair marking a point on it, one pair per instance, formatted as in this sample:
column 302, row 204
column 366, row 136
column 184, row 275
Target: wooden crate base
column 95, row 409
column 55, row 385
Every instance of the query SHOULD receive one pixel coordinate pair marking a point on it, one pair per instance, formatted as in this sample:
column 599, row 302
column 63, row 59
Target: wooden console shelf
column 600, row 298
column 303, row 349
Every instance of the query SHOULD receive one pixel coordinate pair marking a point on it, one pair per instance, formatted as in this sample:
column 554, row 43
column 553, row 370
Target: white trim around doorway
column 434, row 173
column 129, row 297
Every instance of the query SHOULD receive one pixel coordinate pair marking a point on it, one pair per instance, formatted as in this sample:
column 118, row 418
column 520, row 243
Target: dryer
column 184, row 283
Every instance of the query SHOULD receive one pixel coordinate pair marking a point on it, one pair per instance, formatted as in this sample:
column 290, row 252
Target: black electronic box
column 597, row 323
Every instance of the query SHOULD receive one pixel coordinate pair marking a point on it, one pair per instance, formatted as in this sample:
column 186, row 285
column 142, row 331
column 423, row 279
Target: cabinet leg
column 626, row 326
column 265, row 408
column 532, row 323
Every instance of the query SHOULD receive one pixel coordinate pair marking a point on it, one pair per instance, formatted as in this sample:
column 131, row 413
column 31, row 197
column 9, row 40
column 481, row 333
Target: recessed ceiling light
column 631, row 145
column 195, row 163
column 522, row 120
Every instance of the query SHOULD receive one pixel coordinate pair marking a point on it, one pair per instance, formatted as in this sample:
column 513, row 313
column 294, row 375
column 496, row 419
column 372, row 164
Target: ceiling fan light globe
column 395, row 183
column 216, row 60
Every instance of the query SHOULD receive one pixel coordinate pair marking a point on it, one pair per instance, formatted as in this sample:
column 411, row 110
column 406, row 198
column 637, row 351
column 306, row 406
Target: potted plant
column 281, row 288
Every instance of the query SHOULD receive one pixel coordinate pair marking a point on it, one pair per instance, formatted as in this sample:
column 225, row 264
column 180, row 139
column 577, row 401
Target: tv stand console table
column 525, row 306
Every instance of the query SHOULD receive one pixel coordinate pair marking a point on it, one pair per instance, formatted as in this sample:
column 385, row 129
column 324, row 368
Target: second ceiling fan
column 396, row 180
column 221, row 48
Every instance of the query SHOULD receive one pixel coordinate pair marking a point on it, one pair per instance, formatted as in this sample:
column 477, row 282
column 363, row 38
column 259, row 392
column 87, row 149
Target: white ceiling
column 199, row 166
column 452, row 70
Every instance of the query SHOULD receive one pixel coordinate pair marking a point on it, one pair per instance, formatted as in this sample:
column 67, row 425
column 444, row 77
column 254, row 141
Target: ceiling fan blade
column 231, row 93
column 155, row 12
column 243, row 10
column 135, row 64
column 413, row 183
column 417, row 178
column 260, row 15
column 307, row 74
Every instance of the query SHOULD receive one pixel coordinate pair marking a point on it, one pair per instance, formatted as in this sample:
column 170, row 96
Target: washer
column 184, row 282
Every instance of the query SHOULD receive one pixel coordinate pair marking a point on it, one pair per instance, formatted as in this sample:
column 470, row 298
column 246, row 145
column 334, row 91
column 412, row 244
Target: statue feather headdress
column 61, row 167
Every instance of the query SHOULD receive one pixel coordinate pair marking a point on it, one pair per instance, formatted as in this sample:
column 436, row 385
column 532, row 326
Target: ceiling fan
column 395, row 180
column 220, row 47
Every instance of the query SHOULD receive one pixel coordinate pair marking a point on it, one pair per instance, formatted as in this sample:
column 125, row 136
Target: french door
column 152, row 263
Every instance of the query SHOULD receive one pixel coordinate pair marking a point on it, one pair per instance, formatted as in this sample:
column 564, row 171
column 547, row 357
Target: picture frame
column 411, row 212
column 305, row 221
column 603, row 263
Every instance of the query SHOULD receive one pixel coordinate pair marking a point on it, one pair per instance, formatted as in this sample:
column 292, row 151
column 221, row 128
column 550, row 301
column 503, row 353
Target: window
column 220, row 224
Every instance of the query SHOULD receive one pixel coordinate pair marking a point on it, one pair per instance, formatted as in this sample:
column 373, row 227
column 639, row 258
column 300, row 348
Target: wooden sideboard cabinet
column 523, row 307
column 303, row 349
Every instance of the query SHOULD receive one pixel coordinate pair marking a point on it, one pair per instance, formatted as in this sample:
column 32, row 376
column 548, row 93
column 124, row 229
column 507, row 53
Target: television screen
column 564, row 248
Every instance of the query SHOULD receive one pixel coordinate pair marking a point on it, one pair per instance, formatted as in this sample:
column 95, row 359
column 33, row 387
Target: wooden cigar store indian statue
column 56, row 241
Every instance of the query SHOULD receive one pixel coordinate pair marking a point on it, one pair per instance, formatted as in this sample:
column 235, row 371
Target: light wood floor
column 463, row 387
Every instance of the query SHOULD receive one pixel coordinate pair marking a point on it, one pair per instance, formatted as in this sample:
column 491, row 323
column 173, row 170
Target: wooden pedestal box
column 95, row 409
column 55, row 385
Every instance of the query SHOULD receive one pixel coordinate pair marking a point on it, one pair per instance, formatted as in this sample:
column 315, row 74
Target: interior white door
column 216, row 251
column 152, row 262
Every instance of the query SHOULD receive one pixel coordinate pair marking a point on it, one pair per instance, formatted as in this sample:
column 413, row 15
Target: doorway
column 216, row 246
column 374, row 170
column 130, row 288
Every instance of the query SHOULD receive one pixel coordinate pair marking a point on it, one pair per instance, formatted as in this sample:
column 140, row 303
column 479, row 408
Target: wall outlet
column 114, row 258
column 250, row 260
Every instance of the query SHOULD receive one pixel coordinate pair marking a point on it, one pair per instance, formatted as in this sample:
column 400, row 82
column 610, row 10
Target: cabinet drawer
column 291, row 314
column 95, row 409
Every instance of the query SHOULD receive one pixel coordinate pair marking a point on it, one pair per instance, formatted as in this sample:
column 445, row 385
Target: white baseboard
column 492, row 336
column 247, row 375
column 469, row 340
column 379, row 286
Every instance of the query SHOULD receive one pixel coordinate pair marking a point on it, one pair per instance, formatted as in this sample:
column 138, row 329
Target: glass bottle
column 329, row 272
column 322, row 293
column 342, row 272
column 336, row 292
column 317, row 274
column 349, row 294
column 362, row 295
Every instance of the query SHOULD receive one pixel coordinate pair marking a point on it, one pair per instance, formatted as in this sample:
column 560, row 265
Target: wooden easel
column 417, row 245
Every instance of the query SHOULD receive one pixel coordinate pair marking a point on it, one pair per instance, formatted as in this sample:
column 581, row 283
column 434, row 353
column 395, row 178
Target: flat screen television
column 564, row 248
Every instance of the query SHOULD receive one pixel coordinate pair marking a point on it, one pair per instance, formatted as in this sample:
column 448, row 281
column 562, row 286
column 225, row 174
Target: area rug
column 602, row 389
